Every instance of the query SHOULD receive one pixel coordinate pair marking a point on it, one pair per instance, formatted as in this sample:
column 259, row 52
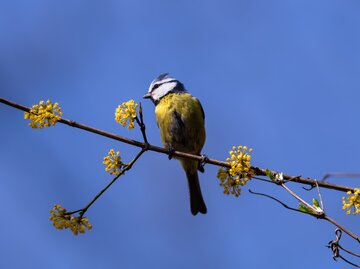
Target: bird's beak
column 147, row 96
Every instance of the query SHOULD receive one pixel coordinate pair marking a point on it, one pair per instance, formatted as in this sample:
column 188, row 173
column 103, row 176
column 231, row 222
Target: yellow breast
column 180, row 118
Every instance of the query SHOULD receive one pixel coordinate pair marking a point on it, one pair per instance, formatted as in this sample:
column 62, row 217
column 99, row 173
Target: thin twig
column 142, row 126
column 258, row 171
column 277, row 200
column 264, row 179
column 349, row 262
column 300, row 199
column 315, row 213
column 320, row 214
column 340, row 174
column 334, row 245
column 326, row 217
column 320, row 197
column 350, row 252
column 126, row 167
column 308, row 189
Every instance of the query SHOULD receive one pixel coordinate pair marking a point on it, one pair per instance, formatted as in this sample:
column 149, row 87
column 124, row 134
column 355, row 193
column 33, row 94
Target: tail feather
column 197, row 203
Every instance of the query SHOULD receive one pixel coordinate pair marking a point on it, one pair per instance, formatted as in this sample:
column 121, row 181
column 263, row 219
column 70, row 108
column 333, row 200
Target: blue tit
column 180, row 118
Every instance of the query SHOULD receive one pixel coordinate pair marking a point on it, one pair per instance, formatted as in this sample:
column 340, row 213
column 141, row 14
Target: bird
column 180, row 118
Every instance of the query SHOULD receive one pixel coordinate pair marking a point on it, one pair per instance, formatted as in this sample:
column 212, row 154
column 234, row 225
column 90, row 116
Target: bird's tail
column 197, row 203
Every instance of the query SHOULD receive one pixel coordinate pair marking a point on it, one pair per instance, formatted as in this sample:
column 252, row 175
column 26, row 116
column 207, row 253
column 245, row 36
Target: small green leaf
column 315, row 202
column 304, row 208
column 269, row 174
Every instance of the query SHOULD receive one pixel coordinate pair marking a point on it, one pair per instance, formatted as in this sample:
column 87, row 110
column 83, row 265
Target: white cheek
column 163, row 90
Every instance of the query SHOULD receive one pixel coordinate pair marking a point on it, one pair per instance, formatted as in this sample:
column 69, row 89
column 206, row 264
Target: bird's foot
column 204, row 160
column 170, row 152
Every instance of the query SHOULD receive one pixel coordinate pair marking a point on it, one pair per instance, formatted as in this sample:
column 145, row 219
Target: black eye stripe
column 158, row 85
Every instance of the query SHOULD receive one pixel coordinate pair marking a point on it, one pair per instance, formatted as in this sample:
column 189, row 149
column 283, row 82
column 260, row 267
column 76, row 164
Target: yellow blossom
column 126, row 114
column 352, row 202
column 231, row 179
column 113, row 162
column 43, row 114
column 62, row 220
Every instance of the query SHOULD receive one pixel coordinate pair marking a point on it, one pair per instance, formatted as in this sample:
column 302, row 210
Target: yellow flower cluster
column 352, row 202
column 43, row 114
column 231, row 179
column 113, row 162
column 228, row 183
column 126, row 114
column 239, row 161
column 62, row 220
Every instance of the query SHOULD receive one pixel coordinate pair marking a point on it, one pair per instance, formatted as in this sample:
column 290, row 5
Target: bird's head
column 163, row 85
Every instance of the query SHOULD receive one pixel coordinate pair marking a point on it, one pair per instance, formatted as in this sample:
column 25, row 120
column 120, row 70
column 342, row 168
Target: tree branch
column 257, row 171
column 125, row 168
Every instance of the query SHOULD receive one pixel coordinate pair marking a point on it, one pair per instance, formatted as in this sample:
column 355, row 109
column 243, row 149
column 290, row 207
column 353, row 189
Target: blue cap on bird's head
column 161, row 77
column 163, row 85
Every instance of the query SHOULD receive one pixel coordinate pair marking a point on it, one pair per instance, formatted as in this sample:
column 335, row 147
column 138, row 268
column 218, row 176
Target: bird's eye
column 156, row 86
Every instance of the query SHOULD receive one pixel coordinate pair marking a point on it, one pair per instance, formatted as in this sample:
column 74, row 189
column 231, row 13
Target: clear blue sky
column 280, row 76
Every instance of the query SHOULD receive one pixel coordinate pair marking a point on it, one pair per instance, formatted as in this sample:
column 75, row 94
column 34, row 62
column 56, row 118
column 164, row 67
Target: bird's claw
column 170, row 152
column 204, row 160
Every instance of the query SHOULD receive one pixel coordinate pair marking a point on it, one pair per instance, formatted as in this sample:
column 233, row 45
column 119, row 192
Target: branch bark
column 258, row 171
